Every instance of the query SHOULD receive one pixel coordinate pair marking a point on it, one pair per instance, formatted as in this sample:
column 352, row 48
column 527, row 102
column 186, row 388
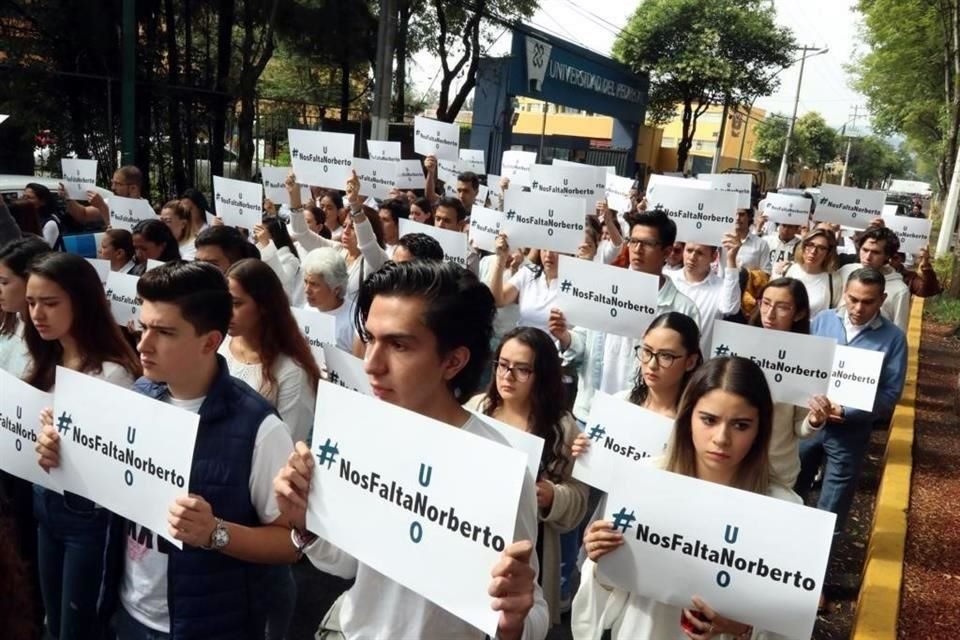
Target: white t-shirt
column 144, row 590
column 14, row 354
column 818, row 288
column 188, row 250
column 51, row 233
column 345, row 328
column 536, row 297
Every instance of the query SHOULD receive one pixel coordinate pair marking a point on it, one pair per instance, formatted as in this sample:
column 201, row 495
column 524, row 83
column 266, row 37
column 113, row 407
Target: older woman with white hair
column 325, row 280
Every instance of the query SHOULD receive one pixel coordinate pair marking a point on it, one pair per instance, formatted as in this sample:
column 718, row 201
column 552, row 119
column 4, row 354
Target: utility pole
column 715, row 167
column 846, row 159
column 543, row 132
column 128, row 65
column 782, row 176
column 383, row 80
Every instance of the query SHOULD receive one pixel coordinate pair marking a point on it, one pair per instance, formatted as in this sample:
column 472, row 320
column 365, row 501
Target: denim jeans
column 71, row 533
column 280, row 599
column 843, row 447
column 129, row 628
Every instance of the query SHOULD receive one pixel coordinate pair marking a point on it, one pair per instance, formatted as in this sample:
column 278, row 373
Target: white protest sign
column 318, row 328
column 909, row 186
column 543, row 221
column 914, row 233
column 432, row 137
column 79, row 176
column 786, row 209
column 102, row 267
column 759, row 560
column 797, row 365
column 126, row 213
column 275, row 189
column 516, row 166
column 599, row 173
column 377, row 177
column 657, row 180
column 410, row 175
column 702, row 216
column 448, row 170
column 321, row 159
column 473, row 160
column 454, row 243
column 153, row 264
column 889, row 210
column 739, row 183
column 577, row 182
column 848, row 206
column 617, row 191
column 620, row 433
column 346, row 370
column 20, row 407
column 122, row 294
column 383, row 150
column 238, row 203
column 429, row 503
column 527, row 443
column 482, row 192
column 606, row 298
column 484, row 227
column 856, row 373
column 135, row 459
column 494, row 195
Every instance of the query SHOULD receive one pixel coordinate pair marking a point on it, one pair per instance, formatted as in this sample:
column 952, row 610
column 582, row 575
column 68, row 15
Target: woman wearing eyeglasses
column 526, row 392
column 814, row 265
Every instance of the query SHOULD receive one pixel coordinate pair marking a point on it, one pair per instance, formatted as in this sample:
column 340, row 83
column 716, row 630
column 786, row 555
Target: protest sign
column 516, row 166
column 621, row 433
column 377, row 177
column 702, row 216
column 914, row 233
column 530, row 445
column 543, row 221
column 448, row 170
column 383, row 150
column 126, row 213
column 20, row 407
column 135, row 459
column 484, row 227
column 606, row 298
column 238, row 203
column 454, row 243
column 345, row 369
column 599, row 173
column 759, row 560
column 473, row 160
column 482, row 192
column 321, row 159
column 848, row 206
column 856, row 374
column 410, row 175
column 786, row 209
column 617, row 191
column 657, row 180
column 79, row 176
column 318, row 328
column 909, row 186
column 889, row 211
column 121, row 291
column 153, row 264
column 435, row 138
column 275, row 189
column 739, row 183
column 102, row 267
column 797, row 365
column 406, row 511
column 577, row 182
column 495, row 195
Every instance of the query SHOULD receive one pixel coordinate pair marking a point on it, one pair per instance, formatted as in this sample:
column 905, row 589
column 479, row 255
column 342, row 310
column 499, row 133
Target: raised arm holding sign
column 543, row 221
column 436, row 138
column 321, row 159
column 702, row 216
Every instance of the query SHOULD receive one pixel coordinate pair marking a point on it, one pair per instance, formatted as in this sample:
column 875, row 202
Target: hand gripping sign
column 275, row 188
column 238, row 203
column 484, row 227
column 20, row 407
column 432, row 137
column 126, row 213
column 913, row 233
column 121, row 292
column 377, row 177
column 543, row 221
column 321, row 159
column 856, row 374
column 404, row 494
column 848, row 206
column 605, row 298
column 753, row 558
column 133, row 458
column 454, row 243
column 702, row 216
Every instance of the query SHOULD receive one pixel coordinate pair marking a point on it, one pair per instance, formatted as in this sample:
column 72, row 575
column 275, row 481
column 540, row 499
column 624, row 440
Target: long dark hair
column 800, row 300
column 16, row 256
column 689, row 336
column 279, row 235
column 279, row 332
column 159, row 233
column 27, row 216
column 739, row 376
column 546, row 398
column 96, row 333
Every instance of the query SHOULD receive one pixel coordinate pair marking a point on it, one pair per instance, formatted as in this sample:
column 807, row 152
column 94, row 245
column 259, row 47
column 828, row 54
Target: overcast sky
column 821, row 23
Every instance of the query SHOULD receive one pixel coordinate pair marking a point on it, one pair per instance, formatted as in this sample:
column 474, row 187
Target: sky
column 819, row 23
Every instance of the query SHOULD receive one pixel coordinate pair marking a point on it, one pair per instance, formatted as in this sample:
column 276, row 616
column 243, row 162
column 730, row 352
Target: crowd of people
column 217, row 336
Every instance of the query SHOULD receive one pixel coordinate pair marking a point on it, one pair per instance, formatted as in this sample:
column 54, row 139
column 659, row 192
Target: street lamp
column 782, row 176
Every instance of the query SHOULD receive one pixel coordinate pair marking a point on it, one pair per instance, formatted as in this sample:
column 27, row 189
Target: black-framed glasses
column 665, row 359
column 642, row 243
column 817, row 247
column 521, row 372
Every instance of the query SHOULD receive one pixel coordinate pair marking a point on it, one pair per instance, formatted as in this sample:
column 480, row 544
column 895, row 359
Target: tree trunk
column 686, row 136
column 173, row 102
column 344, row 90
column 189, row 129
column 400, row 76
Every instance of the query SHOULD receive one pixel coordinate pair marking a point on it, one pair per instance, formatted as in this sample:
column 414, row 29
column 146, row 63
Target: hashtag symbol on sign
column 511, row 214
column 597, row 432
column 64, row 422
column 721, row 350
column 328, row 453
column 334, row 377
column 565, row 286
column 622, row 520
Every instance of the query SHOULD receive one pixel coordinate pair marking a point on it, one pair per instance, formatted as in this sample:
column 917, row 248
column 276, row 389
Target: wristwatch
column 219, row 538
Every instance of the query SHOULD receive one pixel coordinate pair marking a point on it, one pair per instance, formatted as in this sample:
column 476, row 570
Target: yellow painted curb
column 878, row 607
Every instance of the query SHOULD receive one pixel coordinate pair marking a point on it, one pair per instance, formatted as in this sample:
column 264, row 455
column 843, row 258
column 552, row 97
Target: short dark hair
column 159, row 233
column 421, row 246
column 121, row 239
column 460, row 310
column 869, row 276
column 398, row 208
column 455, row 204
column 891, row 243
column 132, row 175
column 234, row 246
column 470, row 177
column 279, row 234
column 198, row 289
column 335, row 196
column 659, row 220
column 801, row 302
column 197, row 198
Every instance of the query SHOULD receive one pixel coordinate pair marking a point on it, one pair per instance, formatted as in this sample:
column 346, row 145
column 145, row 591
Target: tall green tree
column 700, row 54
column 874, row 160
column 820, row 144
column 771, row 136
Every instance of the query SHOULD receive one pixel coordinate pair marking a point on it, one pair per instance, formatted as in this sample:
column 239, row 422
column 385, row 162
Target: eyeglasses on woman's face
column 665, row 359
column 520, row 372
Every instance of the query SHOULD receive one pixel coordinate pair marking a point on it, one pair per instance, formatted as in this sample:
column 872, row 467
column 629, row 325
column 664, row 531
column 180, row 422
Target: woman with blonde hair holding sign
column 815, row 264
column 721, row 434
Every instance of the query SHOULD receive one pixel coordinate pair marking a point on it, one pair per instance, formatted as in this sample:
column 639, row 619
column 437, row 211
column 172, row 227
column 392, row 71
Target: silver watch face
column 220, row 537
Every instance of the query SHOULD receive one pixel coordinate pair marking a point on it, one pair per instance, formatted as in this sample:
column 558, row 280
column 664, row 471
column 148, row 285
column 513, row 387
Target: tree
column 874, row 160
column 819, row 143
column 771, row 137
column 700, row 54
